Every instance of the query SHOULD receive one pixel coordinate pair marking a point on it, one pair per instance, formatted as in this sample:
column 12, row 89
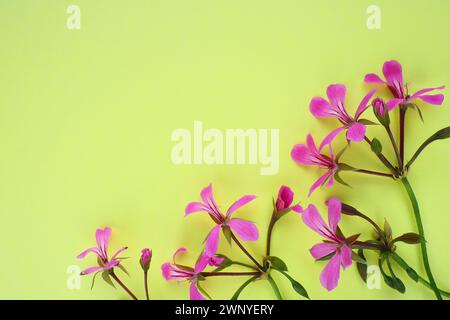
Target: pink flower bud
column 146, row 257
column 379, row 107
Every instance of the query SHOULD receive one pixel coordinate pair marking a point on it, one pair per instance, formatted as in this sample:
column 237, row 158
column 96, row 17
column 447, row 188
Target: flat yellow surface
column 86, row 118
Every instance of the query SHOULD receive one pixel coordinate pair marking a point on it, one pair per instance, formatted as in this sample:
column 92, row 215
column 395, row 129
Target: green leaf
column 227, row 233
column 440, row 135
column 93, row 279
column 392, row 281
column 277, row 263
column 367, row 122
column 121, row 267
column 387, row 230
column 358, row 259
column 202, row 291
column 274, row 287
column 338, row 178
column 296, row 285
column 410, row 271
column 242, row 287
column 362, row 267
column 376, row 146
column 107, row 278
column 345, row 167
column 410, row 238
column 349, row 210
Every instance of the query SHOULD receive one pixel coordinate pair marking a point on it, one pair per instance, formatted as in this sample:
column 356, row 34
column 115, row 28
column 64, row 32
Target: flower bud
column 381, row 111
column 146, row 258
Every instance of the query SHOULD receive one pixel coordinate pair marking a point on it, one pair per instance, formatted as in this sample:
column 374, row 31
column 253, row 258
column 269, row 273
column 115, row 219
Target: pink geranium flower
column 392, row 71
column 334, row 244
column 102, row 236
column 285, row 199
column 178, row 272
column 335, row 107
column 245, row 230
column 308, row 154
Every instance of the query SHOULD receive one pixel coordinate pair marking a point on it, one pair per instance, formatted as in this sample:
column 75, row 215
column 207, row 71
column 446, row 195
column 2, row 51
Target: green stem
column 217, row 274
column 273, row 220
column 124, row 287
column 423, row 246
column 146, row 285
column 246, row 252
column 394, row 145
column 382, row 158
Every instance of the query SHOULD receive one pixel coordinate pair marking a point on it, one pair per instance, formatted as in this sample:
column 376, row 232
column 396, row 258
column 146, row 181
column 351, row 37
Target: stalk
column 246, row 252
column 124, row 287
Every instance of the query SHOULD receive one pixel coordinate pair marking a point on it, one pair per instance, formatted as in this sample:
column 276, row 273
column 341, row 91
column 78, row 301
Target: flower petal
column 297, row 208
column 201, row 263
column 91, row 270
column 334, row 212
column 321, row 250
column 194, row 207
column 301, row 154
column 245, row 230
column 314, row 221
column 435, row 99
column 103, row 236
column 194, row 294
column 320, row 181
column 392, row 71
column 321, row 108
column 177, row 252
column 285, row 198
column 239, row 203
column 391, row 104
column 426, row 90
column 212, row 242
column 111, row 264
column 329, row 277
column 118, row 252
column 330, row 137
column 336, row 94
column 364, row 104
column 356, row 132
column 346, row 257
column 373, row 78
column 85, row 252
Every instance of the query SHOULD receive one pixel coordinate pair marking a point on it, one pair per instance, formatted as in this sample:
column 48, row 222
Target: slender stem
column 146, row 285
column 377, row 228
column 375, row 173
column 423, row 246
column 402, row 111
column 245, row 265
column 216, row 274
column 246, row 252
column 124, row 287
column 382, row 158
column 394, row 145
column 273, row 220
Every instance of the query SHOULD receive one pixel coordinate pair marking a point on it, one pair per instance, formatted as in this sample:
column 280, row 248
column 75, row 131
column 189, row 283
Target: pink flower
column 392, row 71
column 102, row 236
column 246, row 230
column 178, row 272
column 379, row 107
column 335, row 108
column 335, row 243
column 146, row 257
column 308, row 154
column 284, row 200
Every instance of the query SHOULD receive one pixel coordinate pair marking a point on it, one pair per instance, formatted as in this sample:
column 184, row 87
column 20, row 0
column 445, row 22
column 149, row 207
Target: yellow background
column 86, row 117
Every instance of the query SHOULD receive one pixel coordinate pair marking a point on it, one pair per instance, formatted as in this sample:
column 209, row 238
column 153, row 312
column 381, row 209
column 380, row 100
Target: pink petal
column 102, row 236
column 364, row 104
column 435, row 99
column 311, row 144
column 91, row 270
column 426, row 90
column 321, row 108
column 212, row 242
column 194, row 294
column 330, row 137
column 356, row 132
column 245, row 230
column 285, row 198
column 166, row 268
column 194, row 207
column 321, row 250
column 118, row 252
column 313, row 220
column 297, row 209
column 301, row 154
column 373, row 78
column 207, row 196
column 391, row 104
column 239, row 203
column 329, row 277
column 319, row 182
column 201, row 263
column 346, row 257
column 85, row 252
column 111, row 264
column 334, row 212
column 336, row 94
column 392, row 71
column 177, row 252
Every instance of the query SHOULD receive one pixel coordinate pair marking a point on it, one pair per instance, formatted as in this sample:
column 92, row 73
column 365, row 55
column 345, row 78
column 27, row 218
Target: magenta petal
column 165, row 268
column 285, row 198
column 245, row 230
column 313, row 220
column 320, row 108
column 330, row 137
column 373, row 78
column 111, row 264
column 319, row 182
column 364, row 104
column 194, row 207
column 212, row 242
column 201, row 263
column 207, row 195
column 426, row 90
column 239, row 203
column 336, row 94
column 356, row 132
column 391, row 104
column 346, row 257
column 118, row 252
column 321, row 250
column 91, row 270
column 435, row 99
column 85, row 252
column 301, row 154
column 102, row 236
column 194, row 294
column 297, row 208
column 177, row 252
column 392, row 71
column 334, row 212
column 329, row 277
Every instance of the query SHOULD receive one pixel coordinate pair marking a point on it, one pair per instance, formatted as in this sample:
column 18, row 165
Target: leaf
column 277, row 263
column 107, row 278
column 410, row 238
column 274, row 286
column 227, row 233
column 93, row 279
column 439, row 135
column 339, row 180
column 242, row 287
column 296, row 285
column 121, row 267
column 358, row 259
column 345, row 167
column 387, row 230
column 362, row 267
column 340, row 153
column 410, row 271
column 392, row 281
column 367, row 122
column 202, row 291
column 349, row 210
column 376, row 146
